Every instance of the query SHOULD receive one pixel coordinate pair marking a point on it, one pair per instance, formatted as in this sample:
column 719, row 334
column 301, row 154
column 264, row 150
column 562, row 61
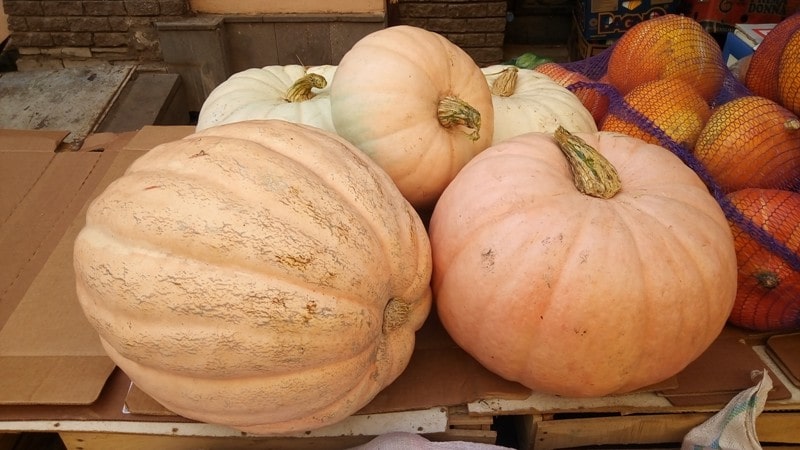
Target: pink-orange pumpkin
column 572, row 294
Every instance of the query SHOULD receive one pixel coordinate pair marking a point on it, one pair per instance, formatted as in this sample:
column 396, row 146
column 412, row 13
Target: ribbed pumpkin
column 263, row 275
column 669, row 46
column 671, row 104
column 594, row 100
column 751, row 141
column 769, row 288
column 576, row 294
column 415, row 103
column 762, row 72
column 294, row 93
column 526, row 101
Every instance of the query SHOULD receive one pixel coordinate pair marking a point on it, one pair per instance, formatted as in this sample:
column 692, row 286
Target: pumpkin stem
column 767, row 279
column 792, row 124
column 593, row 174
column 454, row 111
column 395, row 314
column 301, row 89
column 506, row 83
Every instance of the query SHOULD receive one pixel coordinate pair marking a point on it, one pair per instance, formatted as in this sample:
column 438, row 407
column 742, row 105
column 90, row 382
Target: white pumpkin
column 527, row 101
column 293, row 93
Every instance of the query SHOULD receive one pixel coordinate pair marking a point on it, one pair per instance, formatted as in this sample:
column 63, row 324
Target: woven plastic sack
column 408, row 441
column 766, row 308
column 734, row 427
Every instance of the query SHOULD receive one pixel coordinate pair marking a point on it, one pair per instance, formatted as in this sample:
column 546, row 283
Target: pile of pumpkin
column 269, row 271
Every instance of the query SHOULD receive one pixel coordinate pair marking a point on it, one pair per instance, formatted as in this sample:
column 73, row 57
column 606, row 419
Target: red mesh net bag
column 664, row 81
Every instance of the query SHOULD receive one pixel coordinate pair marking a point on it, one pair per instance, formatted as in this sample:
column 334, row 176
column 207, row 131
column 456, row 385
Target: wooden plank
column 458, row 418
column 8, row 440
column 774, row 427
column 121, row 441
column 47, row 99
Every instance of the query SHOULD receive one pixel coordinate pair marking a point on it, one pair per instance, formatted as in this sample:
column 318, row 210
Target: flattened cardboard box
column 49, row 354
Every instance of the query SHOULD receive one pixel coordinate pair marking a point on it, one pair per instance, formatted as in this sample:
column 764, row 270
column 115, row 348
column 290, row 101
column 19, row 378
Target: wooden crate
column 641, row 419
column 461, row 426
column 548, row 432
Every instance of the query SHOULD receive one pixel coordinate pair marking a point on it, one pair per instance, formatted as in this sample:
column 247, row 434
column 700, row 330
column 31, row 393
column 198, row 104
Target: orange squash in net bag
column 789, row 75
column 581, row 294
column 768, row 298
column 592, row 99
column 669, row 46
column 751, row 141
column 762, row 72
column 671, row 104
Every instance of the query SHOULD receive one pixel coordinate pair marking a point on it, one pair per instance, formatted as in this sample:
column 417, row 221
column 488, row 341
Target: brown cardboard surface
column 44, row 340
column 46, row 344
column 151, row 135
column 99, row 142
column 12, row 140
column 720, row 373
column 785, row 351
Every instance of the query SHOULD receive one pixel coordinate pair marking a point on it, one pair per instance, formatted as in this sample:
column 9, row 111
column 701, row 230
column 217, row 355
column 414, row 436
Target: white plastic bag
column 411, row 441
column 734, row 427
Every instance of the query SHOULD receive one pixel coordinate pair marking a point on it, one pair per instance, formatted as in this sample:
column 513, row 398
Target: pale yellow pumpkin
column 417, row 104
column 528, row 101
column 293, row 92
column 263, row 275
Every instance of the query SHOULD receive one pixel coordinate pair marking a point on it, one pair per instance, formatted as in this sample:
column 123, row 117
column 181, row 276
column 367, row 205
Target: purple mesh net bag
column 777, row 308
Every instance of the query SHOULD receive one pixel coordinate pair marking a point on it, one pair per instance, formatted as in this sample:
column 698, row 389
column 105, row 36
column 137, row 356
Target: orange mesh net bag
column 665, row 82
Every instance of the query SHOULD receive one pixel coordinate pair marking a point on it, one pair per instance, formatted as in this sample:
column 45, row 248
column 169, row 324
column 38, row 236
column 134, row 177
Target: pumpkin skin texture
column 764, row 68
column 768, row 298
column 671, row 104
column 532, row 102
column 388, row 98
column 575, row 295
column 789, row 75
column 266, row 93
column 263, row 275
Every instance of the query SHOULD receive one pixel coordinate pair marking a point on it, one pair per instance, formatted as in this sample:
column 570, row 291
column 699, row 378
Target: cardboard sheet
column 46, row 342
column 720, row 373
column 785, row 351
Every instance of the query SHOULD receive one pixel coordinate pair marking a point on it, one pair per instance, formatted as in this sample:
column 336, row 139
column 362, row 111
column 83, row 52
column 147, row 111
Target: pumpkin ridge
column 337, row 189
column 334, row 189
column 147, row 249
column 254, row 370
column 247, row 419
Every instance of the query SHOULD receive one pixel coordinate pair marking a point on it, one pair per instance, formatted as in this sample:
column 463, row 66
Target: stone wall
column 68, row 33
column 477, row 26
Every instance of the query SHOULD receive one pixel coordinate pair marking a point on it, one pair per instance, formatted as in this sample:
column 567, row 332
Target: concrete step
column 148, row 98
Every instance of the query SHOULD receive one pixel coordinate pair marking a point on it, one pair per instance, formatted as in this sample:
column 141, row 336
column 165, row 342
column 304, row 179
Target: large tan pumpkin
column 575, row 294
column 263, row 275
